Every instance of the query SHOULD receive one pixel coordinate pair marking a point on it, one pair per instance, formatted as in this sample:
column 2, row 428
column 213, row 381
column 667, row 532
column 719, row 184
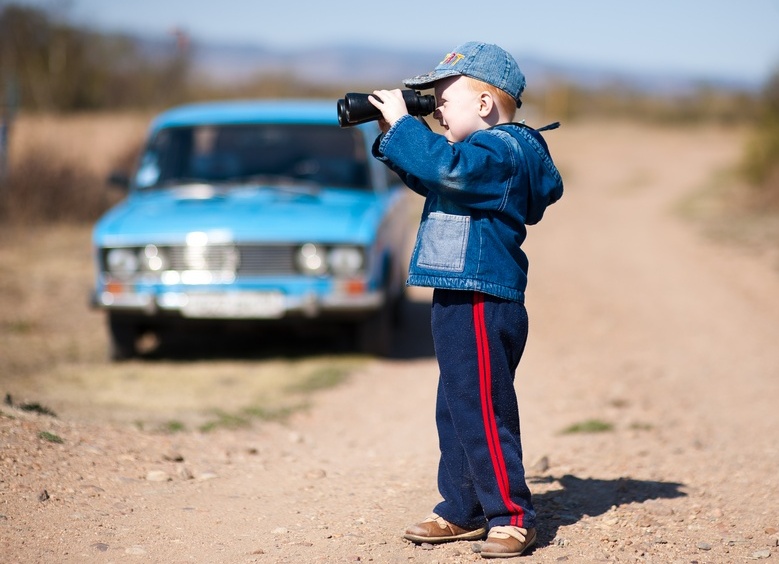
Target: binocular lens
column 355, row 108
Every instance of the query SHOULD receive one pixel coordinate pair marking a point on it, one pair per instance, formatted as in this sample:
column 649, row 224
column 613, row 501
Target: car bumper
column 245, row 305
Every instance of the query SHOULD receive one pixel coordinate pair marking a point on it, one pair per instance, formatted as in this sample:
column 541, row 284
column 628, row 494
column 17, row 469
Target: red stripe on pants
column 488, row 411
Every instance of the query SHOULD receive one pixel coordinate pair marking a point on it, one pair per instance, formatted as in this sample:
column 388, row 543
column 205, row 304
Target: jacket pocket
column 443, row 241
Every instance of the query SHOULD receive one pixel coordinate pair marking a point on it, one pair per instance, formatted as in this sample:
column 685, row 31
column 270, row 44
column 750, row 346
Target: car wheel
column 375, row 335
column 123, row 333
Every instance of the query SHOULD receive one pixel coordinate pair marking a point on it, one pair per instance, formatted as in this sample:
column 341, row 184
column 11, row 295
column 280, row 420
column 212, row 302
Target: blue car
column 259, row 213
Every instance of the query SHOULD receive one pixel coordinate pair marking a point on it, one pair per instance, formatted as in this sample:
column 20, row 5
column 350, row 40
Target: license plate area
column 235, row 305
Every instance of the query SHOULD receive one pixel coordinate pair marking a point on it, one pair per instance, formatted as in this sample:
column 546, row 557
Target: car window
column 322, row 154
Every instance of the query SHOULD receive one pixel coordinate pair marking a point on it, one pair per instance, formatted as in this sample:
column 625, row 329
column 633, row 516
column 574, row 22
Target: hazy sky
column 718, row 38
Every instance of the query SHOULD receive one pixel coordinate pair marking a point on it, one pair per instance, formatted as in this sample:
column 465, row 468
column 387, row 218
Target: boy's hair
column 506, row 103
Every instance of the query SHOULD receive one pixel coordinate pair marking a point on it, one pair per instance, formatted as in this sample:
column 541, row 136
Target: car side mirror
column 119, row 179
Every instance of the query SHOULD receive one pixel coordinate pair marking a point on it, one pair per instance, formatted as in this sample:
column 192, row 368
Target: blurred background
column 79, row 79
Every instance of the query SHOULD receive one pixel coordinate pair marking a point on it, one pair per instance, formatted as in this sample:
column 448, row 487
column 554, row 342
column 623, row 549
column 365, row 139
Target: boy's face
column 457, row 108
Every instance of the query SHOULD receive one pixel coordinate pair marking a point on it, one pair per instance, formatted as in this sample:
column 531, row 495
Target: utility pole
column 7, row 114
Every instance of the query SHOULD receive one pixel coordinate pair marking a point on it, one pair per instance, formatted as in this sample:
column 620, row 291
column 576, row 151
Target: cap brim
column 427, row 80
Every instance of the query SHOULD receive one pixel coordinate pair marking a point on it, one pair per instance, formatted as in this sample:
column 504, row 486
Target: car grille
column 266, row 259
column 242, row 259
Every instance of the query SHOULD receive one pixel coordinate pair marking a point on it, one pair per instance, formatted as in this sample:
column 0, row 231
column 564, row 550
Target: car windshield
column 279, row 153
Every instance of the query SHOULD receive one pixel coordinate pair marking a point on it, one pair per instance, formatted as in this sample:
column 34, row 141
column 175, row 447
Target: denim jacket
column 479, row 196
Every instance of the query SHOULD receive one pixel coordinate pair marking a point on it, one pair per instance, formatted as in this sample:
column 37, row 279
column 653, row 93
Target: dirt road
column 640, row 326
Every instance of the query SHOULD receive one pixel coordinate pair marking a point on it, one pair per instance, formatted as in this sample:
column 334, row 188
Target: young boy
column 483, row 181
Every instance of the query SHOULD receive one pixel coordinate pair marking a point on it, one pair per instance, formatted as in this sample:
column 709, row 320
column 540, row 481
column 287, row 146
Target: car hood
column 267, row 214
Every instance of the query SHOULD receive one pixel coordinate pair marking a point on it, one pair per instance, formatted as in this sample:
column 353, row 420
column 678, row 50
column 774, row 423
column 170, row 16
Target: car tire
column 123, row 333
column 375, row 335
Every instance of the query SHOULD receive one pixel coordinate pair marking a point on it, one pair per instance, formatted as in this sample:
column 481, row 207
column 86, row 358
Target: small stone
column 279, row 531
column 43, row 496
column 295, row 437
column 122, row 508
column 316, row 474
column 184, row 473
column 704, row 546
column 101, row 546
column 542, row 464
column 157, row 476
column 771, row 530
column 173, row 456
column 656, row 507
column 207, row 476
column 760, row 554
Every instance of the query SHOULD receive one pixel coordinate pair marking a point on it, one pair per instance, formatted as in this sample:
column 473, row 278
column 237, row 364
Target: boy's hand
column 391, row 105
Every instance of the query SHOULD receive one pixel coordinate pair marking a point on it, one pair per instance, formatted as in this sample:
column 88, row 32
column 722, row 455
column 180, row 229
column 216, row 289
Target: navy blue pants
column 479, row 340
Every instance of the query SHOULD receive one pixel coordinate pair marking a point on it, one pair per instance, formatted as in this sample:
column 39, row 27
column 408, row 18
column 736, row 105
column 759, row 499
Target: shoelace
column 504, row 532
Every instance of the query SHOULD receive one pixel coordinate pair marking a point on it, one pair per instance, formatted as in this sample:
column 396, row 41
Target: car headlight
column 122, row 263
column 154, row 259
column 345, row 261
column 311, row 259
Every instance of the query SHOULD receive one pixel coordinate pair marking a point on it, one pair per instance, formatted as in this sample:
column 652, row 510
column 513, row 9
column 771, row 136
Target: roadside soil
column 642, row 328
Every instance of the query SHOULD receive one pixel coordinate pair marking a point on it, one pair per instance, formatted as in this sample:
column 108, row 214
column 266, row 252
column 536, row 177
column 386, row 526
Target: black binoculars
column 355, row 108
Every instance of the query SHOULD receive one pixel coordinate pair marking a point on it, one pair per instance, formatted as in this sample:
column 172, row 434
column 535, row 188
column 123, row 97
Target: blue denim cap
column 482, row 61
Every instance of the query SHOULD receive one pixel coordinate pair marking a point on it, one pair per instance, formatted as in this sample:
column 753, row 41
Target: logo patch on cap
column 452, row 59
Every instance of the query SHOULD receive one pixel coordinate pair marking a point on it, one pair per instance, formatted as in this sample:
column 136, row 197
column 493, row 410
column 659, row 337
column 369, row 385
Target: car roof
column 249, row 111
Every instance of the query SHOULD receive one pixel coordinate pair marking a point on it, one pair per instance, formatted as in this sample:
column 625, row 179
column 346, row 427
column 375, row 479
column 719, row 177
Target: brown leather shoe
column 506, row 542
column 436, row 529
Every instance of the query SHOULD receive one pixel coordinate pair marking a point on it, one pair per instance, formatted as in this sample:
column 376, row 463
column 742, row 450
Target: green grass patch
column 321, row 378
column 20, row 326
column 37, row 408
column 225, row 420
column 589, row 426
column 264, row 413
column 171, row 427
column 638, row 426
column 244, row 418
column 278, row 403
column 50, row 437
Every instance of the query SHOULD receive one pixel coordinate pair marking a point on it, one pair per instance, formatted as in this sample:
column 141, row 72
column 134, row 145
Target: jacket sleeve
column 409, row 180
column 475, row 173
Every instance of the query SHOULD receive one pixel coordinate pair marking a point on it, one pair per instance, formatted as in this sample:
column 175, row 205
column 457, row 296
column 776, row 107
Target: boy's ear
column 486, row 104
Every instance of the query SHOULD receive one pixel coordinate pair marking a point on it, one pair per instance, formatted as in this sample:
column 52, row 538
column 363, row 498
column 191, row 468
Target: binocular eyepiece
column 355, row 108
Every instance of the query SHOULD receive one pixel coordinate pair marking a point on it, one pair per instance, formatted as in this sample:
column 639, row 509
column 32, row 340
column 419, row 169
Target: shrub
column 760, row 165
column 43, row 189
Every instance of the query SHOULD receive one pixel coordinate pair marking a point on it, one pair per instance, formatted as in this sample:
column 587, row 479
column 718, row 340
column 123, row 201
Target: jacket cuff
column 384, row 139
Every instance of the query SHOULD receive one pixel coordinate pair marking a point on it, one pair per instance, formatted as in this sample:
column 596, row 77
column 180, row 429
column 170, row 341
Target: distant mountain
column 361, row 65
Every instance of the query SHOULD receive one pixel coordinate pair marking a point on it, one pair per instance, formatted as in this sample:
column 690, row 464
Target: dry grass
column 94, row 142
column 58, row 165
column 730, row 211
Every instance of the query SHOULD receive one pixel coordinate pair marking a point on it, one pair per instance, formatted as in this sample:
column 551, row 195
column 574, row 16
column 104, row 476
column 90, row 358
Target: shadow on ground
column 411, row 340
column 578, row 497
